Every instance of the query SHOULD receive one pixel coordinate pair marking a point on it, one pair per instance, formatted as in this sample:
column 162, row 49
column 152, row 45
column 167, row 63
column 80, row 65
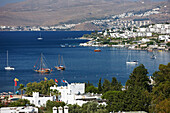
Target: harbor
column 80, row 62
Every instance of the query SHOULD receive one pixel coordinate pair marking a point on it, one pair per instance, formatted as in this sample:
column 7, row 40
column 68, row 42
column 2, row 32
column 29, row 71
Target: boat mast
column 130, row 55
column 62, row 62
column 127, row 60
column 7, row 58
column 59, row 60
column 41, row 62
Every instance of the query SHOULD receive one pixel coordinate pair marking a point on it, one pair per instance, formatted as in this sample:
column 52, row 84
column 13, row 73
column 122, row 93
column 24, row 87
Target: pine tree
column 100, row 86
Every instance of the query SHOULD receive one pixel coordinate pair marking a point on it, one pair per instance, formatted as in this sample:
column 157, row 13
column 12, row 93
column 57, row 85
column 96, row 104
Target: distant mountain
column 53, row 12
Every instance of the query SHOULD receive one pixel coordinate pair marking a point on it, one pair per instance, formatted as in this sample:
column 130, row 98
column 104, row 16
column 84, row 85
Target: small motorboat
column 97, row 50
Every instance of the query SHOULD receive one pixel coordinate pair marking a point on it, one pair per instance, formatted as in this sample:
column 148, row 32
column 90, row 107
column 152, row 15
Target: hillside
column 53, row 12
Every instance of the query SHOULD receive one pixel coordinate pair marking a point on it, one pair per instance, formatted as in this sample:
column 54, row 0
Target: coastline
column 127, row 46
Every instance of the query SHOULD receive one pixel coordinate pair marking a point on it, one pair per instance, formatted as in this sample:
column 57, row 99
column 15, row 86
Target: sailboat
column 60, row 65
column 129, row 61
column 8, row 67
column 153, row 56
column 40, row 38
column 42, row 66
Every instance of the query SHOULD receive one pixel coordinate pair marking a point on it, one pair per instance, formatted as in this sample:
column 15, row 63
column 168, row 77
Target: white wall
column 38, row 101
column 23, row 109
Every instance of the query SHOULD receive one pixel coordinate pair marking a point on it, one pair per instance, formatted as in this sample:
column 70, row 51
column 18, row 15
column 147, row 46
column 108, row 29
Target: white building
column 38, row 100
column 142, row 29
column 27, row 109
column 74, row 94
column 60, row 109
column 144, row 40
column 148, row 34
column 165, row 38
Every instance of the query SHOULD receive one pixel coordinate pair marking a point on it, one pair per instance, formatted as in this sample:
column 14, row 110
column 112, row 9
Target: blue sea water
column 82, row 63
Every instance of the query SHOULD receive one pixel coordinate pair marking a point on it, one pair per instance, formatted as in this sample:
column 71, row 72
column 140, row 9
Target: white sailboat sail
column 129, row 61
column 8, row 67
column 40, row 38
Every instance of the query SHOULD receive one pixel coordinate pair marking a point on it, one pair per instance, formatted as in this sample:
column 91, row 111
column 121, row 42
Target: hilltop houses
column 137, row 38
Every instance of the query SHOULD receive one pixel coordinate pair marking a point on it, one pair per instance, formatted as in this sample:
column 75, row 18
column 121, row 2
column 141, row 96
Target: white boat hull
column 131, row 62
column 40, row 38
column 9, row 68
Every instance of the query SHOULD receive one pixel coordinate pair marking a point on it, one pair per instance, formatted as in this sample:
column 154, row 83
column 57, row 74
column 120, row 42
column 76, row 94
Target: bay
column 82, row 63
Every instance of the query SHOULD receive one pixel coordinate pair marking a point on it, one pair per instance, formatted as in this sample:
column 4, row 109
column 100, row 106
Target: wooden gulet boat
column 42, row 67
column 60, row 65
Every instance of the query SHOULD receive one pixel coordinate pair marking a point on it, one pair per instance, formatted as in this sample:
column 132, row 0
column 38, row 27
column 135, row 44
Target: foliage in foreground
column 42, row 87
column 20, row 102
column 138, row 96
column 161, row 91
column 51, row 104
column 90, row 107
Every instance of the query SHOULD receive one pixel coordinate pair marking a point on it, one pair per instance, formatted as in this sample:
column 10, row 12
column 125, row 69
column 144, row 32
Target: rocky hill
column 54, row 12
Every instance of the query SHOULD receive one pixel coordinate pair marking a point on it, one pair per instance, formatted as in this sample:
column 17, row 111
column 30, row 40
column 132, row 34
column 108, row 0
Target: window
column 39, row 102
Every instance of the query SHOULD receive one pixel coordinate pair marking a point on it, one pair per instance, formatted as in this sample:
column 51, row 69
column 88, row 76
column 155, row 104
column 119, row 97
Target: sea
column 82, row 63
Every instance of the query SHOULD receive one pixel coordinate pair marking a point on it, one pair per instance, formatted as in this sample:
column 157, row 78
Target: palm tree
column 21, row 87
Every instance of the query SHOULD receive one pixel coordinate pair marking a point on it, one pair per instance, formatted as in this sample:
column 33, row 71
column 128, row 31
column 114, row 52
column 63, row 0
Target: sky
column 3, row 2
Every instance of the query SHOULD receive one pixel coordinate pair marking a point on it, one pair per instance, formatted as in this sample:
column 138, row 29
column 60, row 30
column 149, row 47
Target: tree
column 139, row 78
column 101, row 109
column 106, row 86
column 21, row 87
column 136, row 99
column 163, row 106
column 88, row 84
column 42, row 87
column 114, row 100
column 162, row 75
column 74, row 108
column 89, row 107
column 29, row 89
column 100, row 86
column 161, row 90
column 55, row 92
column 115, row 85
column 51, row 104
column 91, row 89
column 20, row 102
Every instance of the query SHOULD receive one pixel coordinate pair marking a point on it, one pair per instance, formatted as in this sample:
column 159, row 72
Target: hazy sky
column 3, row 2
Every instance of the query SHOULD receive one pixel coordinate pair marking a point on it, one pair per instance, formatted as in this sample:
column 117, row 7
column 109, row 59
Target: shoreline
column 129, row 47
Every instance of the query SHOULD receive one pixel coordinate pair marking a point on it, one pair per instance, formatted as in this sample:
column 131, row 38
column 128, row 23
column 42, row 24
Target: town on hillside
column 149, row 37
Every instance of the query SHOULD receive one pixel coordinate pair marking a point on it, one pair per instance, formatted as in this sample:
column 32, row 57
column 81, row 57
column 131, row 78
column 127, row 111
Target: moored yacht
column 8, row 67
column 40, row 38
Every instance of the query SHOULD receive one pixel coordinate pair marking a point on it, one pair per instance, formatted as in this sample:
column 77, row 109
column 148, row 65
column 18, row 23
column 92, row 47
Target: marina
column 83, row 64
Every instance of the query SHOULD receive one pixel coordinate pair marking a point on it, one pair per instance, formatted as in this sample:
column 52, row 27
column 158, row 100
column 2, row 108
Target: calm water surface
column 82, row 63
